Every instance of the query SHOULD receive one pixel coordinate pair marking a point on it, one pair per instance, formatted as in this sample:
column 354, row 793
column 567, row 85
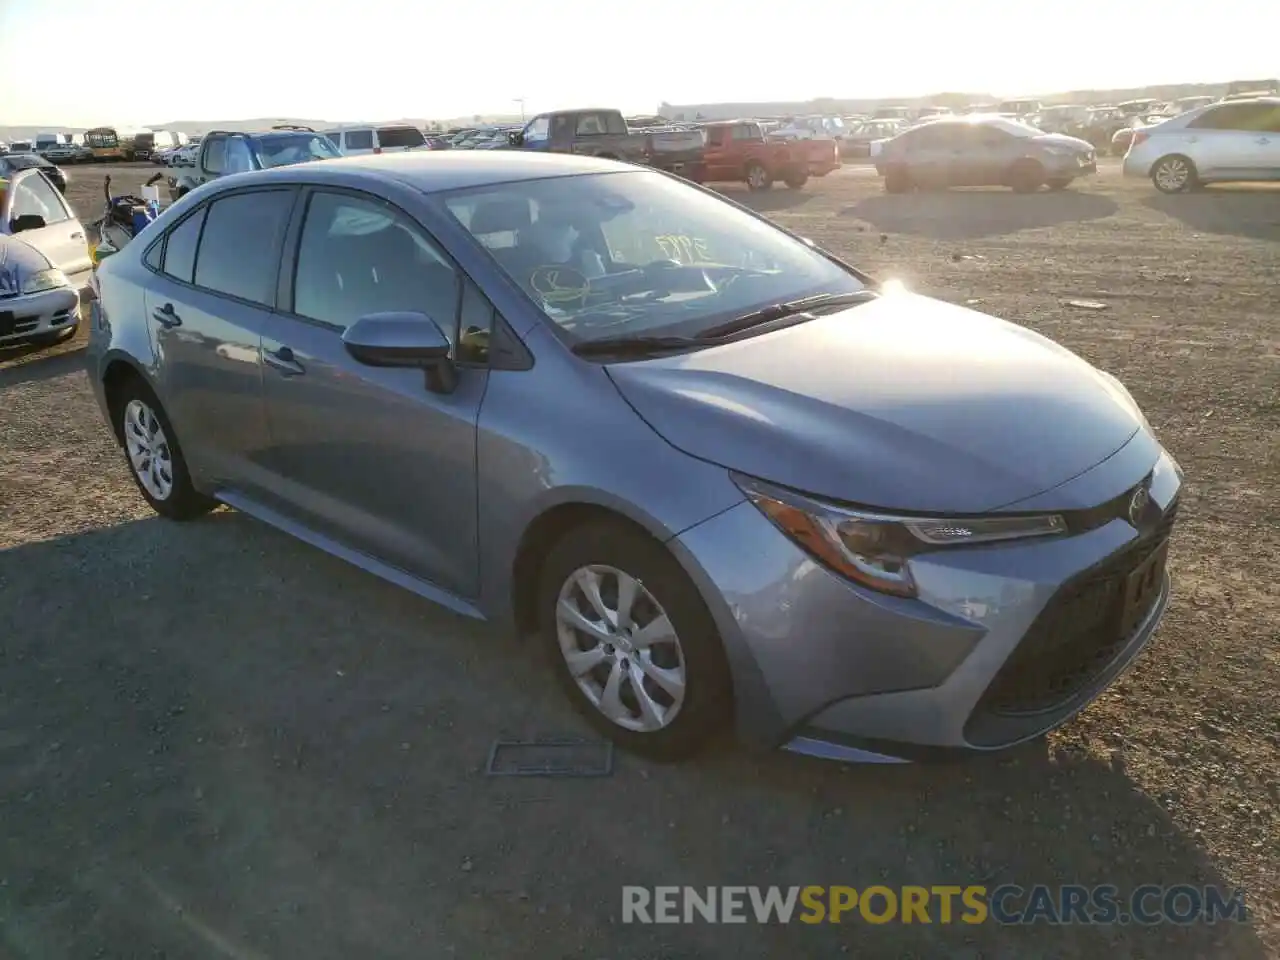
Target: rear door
column 364, row 455
column 214, row 288
column 1223, row 141
column 62, row 238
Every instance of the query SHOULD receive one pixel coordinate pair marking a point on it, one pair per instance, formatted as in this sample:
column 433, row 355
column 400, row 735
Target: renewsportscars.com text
column 941, row 904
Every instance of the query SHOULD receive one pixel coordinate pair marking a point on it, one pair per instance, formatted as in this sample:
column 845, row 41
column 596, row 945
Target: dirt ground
column 217, row 742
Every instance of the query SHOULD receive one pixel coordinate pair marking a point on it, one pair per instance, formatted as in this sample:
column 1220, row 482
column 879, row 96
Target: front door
column 61, row 239
column 364, row 455
column 214, row 290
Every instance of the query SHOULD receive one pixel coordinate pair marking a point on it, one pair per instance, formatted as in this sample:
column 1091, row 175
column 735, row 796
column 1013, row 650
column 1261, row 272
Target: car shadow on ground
column 215, row 741
column 971, row 214
column 767, row 201
column 1236, row 210
column 26, row 364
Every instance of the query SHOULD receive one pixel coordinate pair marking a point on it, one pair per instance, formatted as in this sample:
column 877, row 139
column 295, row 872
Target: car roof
column 438, row 171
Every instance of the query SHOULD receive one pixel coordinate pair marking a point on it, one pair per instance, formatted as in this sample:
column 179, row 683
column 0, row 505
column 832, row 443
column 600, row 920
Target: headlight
column 45, row 280
column 873, row 549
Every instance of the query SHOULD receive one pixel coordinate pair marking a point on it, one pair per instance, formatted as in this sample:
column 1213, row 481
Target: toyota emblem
column 1138, row 504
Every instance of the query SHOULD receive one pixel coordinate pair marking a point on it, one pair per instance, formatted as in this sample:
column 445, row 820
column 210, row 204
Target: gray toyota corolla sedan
column 722, row 475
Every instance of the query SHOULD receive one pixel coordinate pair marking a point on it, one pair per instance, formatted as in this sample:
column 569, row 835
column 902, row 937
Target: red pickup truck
column 739, row 150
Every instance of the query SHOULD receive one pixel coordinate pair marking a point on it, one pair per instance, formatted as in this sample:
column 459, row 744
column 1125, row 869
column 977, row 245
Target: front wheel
column 758, row 178
column 1026, row 177
column 1059, row 184
column 155, row 459
column 897, row 180
column 796, row 179
column 1173, row 174
column 632, row 643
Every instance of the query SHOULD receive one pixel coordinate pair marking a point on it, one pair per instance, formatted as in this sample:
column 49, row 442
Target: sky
column 151, row 61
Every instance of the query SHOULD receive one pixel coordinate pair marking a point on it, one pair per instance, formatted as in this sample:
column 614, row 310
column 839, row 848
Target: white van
column 386, row 138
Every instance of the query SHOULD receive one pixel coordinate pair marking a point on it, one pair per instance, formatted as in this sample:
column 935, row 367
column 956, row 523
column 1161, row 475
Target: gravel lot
column 217, row 742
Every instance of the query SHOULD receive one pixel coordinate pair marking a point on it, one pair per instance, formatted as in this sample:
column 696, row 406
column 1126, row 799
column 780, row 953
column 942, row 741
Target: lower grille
column 1078, row 634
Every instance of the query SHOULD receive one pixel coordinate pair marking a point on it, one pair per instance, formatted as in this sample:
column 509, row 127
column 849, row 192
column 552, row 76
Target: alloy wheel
column 620, row 648
column 148, row 449
column 1172, row 174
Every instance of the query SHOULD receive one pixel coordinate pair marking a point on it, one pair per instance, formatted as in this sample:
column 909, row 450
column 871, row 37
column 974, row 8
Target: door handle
column 1264, row 140
column 166, row 316
column 77, row 236
column 283, row 360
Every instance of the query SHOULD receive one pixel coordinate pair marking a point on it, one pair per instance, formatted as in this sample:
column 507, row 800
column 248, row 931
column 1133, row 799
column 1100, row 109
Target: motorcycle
column 125, row 217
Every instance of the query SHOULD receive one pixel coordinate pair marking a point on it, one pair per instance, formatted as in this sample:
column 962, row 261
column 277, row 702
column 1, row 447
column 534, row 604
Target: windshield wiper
column 776, row 311
column 634, row 346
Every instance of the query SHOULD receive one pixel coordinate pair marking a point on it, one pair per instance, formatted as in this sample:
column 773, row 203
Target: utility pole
column 520, row 100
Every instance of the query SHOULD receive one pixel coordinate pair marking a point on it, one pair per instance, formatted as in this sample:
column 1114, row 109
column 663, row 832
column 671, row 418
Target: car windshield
column 639, row 254
column 285, row 149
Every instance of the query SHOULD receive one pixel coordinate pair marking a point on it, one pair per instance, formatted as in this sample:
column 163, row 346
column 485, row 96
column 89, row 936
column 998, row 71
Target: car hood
column 1062, row 140
column 902, row 403
column 18, row 261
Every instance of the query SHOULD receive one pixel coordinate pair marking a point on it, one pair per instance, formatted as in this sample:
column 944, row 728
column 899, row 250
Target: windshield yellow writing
column 685, row 249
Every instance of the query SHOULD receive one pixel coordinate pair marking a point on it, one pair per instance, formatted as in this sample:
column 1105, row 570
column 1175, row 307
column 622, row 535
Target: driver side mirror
column 404, row 339
column 515, row 138
column 27, row 221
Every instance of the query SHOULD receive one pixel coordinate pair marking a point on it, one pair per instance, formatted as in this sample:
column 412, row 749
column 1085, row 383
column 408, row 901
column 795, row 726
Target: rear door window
column 1231, row 116
column 240, row 247
column 359, row 140
column 400, row 137
column 180, row 247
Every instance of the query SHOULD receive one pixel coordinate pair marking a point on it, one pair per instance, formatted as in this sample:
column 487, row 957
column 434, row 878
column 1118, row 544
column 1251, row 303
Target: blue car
column 724, row 477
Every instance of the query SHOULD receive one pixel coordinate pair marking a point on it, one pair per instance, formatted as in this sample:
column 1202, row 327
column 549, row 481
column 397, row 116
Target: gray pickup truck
column 226, row 151
column 596, row 132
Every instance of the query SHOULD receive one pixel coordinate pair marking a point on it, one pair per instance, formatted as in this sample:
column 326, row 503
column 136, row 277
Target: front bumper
column 976, row 663
column 39, row 314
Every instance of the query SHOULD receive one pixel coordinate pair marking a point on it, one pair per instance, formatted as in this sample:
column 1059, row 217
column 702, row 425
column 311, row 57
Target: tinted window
column 537, row 130
column 180, row 248
column 35, row 195
column 590, row 124
column 154, row 256
column 215, row 153
column 1232, row 116
column 357, row 257
column 475, row 324
column 400, row 137
column 614, row 124
column 715, row 135
column 240, row 245
column 359, row 140
column 239, row 159
column 744, row 131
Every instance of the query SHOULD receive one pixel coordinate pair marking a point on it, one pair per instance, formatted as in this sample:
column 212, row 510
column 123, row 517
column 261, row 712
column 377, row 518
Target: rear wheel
column 155, row 459
column 632, row 643
column 1174, row 174
column 897, row 180
column 796, row 179
column 1026, row 176
column 1059, row 183
column 758, row 178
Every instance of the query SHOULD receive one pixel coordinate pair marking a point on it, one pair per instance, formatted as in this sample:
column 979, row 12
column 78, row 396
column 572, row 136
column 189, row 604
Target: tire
column 1174, row 174
column 1026, row 176
column 142, row 425
column 1059, row 184
column 897, row 180
column 797, row 179
column 683, row 719
column 758, row 178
